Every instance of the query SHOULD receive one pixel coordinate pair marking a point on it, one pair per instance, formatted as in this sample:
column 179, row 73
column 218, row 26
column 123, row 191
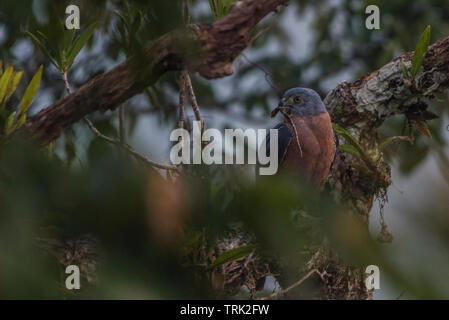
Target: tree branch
column 208, row 49
column 293, row 286
column 362, row 106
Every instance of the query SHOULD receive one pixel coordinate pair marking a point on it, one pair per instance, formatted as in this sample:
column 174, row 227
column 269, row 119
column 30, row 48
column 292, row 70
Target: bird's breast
column 312, row 147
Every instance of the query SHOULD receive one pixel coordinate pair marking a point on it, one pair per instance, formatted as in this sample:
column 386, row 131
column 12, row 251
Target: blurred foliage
column 9, row 81
column 142, row 225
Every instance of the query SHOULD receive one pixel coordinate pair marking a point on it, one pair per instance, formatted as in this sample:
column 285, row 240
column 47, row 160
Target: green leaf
column 214, row 8
column 4, row 81
column 41, row 45
column 9, row 122
column 404, row 70
column 31, row 91
column 349, row 138
column 79, row 44
column 136, row 23
column 51, row 149
column 67, row 40
column 13, row 83
column 20, row 121
column 232, row 255
column 123, row 18
column 348, row 148
column 388, row 141
column 352, row 141
column 420, row 51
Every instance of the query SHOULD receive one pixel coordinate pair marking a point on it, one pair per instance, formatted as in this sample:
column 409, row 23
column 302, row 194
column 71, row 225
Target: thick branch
column 369, row 100
column 208, row 49
column 362, row 106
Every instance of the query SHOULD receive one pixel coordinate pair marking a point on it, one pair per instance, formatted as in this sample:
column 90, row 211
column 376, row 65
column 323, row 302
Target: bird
column 306, row 140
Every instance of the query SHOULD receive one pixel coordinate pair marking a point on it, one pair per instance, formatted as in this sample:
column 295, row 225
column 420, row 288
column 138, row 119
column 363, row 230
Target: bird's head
column 300, row 102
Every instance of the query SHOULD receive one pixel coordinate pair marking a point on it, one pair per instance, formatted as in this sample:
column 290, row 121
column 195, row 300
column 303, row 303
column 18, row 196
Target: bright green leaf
column 13, row 83
column 31, row 91
column 420, row 51
column 350, row 149
column 4, row 81
column 349, row 138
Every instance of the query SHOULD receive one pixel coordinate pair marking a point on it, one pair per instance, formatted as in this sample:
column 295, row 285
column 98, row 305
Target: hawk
column 306, row 144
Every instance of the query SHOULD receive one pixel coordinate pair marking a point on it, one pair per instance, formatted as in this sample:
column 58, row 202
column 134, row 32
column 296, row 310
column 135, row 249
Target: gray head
column 301, row 101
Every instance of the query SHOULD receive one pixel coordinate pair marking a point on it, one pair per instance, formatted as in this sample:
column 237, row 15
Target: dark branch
column 208, row 49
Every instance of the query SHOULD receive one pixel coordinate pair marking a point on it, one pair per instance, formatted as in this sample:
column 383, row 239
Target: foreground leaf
column 31, row 91
column 13, row 83
column 4, row 81
column 232, row 255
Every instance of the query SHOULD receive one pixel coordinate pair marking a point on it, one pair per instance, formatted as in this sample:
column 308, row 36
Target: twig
column 294, row 128
column 195, row 107
column 66, row 82
column 182, row 101
column 121, row 117
column 264, row 30
column 128, row 148
column 400, row 295
column 148, row 161
column 121, row 141
column 268, row 76
column 296, row 284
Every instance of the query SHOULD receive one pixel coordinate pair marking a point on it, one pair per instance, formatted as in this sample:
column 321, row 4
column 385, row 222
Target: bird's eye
column 297, row 99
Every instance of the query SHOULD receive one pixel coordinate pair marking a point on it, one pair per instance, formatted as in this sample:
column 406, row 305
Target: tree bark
column 362, row 106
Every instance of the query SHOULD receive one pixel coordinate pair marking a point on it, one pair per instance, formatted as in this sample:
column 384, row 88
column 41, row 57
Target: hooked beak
column 278, row 108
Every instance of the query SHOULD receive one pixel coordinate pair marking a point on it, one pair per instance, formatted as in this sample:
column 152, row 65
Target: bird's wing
column 284, row 139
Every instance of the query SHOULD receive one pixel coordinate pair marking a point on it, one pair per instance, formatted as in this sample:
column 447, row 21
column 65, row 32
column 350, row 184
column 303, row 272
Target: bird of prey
column 306, row 142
